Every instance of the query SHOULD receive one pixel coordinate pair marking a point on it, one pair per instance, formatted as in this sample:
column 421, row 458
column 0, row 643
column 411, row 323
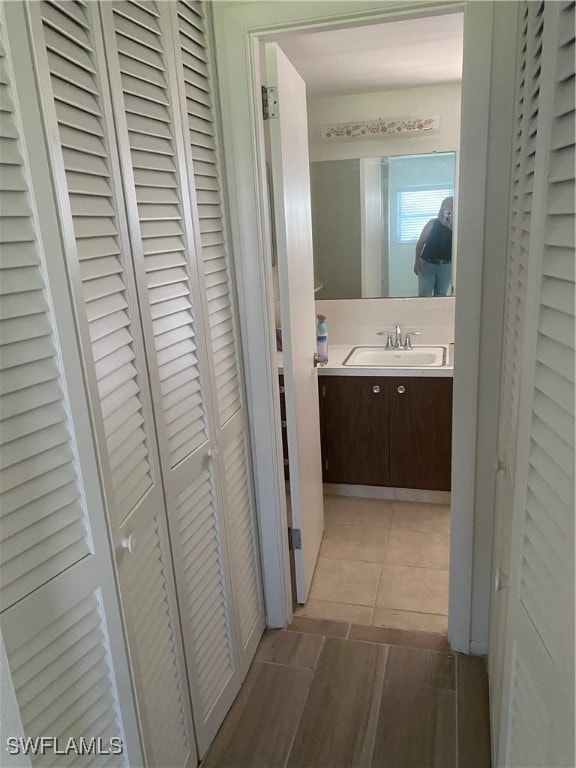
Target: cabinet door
column 355, row 430
column 420, row 433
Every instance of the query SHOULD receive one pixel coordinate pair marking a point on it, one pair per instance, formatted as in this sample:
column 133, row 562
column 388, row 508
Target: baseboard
column 389, row 494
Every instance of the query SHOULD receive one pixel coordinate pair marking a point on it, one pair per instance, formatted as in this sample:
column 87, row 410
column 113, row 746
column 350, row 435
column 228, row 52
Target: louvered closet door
column 538, row 724
column 152, row 152
column 193, row 59
column 522, row 188
column 57, row 595
column 77, row 108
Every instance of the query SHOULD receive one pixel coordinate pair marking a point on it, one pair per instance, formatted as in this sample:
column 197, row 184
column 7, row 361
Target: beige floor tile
column 473, row 712
column 421, row 622
column 338, row 725
column 399, row 637
column 260, row 727
column 345, row 581
column 428, row 550
column 350, row 509
column 354, row 542
column 408, row 588
column 414, row 666
column 434, row 518
column 292, row 649
column 416, row 727
column 321, row 609
column 312, row 626
column 328, row 504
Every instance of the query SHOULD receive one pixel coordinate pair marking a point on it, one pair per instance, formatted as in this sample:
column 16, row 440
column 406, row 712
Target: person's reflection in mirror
column 433, row 263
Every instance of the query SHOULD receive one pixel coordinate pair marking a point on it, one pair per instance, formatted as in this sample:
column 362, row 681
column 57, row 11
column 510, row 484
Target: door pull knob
column 129, row 543
column 376, row 389
column 401, row 390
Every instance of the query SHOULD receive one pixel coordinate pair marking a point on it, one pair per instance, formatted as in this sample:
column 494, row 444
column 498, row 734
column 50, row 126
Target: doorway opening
column 384, row 556
column 239, row 30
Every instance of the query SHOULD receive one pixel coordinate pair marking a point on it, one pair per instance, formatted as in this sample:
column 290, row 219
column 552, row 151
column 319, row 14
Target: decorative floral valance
column 381, row 128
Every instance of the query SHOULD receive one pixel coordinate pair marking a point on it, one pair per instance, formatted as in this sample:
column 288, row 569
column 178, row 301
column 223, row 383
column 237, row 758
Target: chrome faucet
column 398, row 343
column 389, row 344
column 408, row 339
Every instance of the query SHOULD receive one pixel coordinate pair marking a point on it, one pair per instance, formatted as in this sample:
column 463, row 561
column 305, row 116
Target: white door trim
column 238, row 28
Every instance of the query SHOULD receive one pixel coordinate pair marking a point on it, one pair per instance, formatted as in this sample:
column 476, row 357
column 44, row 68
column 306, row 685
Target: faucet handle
column 408, row 339
column 388, row 334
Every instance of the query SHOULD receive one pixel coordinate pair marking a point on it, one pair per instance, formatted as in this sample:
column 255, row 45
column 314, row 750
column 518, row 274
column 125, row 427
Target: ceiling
column 396, row 54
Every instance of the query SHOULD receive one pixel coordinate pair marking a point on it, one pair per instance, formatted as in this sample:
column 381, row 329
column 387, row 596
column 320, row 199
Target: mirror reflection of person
column 433, row 263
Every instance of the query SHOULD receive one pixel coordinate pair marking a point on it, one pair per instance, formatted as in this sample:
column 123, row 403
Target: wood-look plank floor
column 325, row 694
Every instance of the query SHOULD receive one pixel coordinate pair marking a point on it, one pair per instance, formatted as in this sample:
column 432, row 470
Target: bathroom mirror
column 367, row 215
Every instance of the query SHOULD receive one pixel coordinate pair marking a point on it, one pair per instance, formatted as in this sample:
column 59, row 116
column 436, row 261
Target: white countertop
column 338, row 353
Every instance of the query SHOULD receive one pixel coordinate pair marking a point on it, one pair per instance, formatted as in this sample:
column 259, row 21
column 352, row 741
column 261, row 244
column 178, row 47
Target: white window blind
column 416, row 207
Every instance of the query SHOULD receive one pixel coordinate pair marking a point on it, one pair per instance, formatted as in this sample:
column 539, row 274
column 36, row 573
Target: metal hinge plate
column 270, row 107
column 294, row 538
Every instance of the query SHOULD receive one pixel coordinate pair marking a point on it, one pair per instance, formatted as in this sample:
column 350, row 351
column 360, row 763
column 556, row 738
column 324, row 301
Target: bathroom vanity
column 386, row 426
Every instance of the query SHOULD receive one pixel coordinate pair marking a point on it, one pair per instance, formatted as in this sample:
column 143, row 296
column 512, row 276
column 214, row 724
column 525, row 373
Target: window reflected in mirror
column 367, row 216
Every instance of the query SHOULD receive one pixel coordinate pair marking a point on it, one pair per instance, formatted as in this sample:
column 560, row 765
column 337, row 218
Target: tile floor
column 329, row 694
column 382, row 563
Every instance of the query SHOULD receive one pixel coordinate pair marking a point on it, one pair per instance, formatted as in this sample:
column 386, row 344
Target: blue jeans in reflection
column 434, row 279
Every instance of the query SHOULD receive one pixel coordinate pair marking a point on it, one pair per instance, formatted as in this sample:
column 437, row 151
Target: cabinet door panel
column 355, row 430
column 421, row 433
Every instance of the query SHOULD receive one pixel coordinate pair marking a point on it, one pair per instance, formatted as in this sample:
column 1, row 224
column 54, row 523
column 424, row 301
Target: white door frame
column 239, row 27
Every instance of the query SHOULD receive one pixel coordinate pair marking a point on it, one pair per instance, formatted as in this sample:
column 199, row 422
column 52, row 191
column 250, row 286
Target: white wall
column 442, row 100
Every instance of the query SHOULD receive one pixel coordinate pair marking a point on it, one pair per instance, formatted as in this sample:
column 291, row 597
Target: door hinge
column 294, row 538
column 323, row 390
column 270, row 105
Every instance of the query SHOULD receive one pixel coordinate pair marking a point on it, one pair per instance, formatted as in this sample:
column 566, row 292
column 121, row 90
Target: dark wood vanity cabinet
column 283, row 425
column 386, row 431
column 354, row 430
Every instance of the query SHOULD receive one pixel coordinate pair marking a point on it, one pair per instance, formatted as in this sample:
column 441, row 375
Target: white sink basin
column 379, row 357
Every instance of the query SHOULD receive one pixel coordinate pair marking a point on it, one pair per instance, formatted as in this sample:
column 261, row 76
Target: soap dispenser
column 321, row 338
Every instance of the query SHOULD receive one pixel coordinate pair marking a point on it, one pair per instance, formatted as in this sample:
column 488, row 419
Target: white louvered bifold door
column 522, row 187
column 146, row 104
column 78, row 114
column 538, row 699
column 193, row 64
column 58, row 601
